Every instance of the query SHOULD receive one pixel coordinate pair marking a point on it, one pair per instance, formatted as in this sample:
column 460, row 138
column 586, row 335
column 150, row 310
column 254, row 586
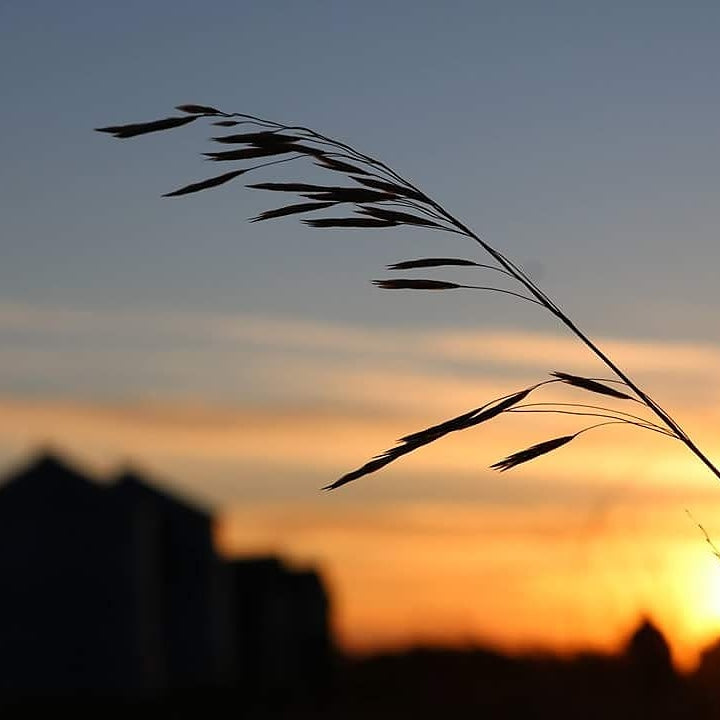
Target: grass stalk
column 378, row 197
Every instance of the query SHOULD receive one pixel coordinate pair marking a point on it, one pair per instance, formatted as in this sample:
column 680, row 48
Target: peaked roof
column 48, row 468
column 135, row 484
column 49, row 473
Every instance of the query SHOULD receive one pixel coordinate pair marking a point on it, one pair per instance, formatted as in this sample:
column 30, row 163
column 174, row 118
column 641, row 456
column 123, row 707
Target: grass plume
column 377, row 197
column 534, row 451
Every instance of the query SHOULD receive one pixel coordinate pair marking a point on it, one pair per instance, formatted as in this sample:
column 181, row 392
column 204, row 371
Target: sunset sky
column 247, row 365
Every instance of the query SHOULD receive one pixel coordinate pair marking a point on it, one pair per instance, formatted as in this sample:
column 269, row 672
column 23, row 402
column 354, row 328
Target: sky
column 247, row 365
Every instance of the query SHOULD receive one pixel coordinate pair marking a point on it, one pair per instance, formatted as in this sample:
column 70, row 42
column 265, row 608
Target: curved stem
column 501, row 290
column 599, row 407
column 654, row 428
column 547, row 302
column 597, row 425
column 672, row 424
column 516, row 272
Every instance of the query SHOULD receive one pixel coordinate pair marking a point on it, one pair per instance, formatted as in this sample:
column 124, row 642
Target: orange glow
column 564, row 580
column 564, row 554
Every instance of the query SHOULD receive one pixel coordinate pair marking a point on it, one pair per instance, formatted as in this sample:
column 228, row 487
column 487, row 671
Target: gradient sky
column 247, row 365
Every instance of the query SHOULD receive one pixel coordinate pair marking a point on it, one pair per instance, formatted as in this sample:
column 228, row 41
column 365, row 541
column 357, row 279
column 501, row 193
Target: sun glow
column 704, row 593
column 564, row 554
column 562, row 579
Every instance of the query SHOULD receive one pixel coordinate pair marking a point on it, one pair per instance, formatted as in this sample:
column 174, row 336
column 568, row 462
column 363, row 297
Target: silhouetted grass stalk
column 381, row 198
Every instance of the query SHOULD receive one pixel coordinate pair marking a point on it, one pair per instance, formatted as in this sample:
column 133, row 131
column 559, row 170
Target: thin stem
column 598, row 407
column 538, row 296
column 274, row 162
column 492, row 267
column 672, row 424
column 712, row 545
column 406, row 202
column 654, row 428
column 502, row 290
column 597, row 425
column 546, row 301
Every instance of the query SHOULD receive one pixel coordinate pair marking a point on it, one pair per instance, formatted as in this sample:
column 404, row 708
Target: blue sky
column 581, row 138
column 253, row 363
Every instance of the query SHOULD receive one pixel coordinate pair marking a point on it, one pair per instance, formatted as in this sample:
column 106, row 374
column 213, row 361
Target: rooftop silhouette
column 117, row 588
column 115, row 601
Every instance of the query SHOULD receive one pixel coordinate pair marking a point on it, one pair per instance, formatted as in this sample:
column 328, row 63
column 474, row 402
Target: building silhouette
column 113, row 602
column 647, row 654
column 116, row 588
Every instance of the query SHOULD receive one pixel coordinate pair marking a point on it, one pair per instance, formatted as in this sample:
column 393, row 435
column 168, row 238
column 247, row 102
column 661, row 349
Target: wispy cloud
column 267, row 397
column 486, row 345
column 302, row 448
column 210, row 352
column 254, row 414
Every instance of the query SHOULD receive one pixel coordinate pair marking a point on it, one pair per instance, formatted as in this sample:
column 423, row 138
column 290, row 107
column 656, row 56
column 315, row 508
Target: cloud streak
column 101, row 351
column 299, row 449
column 514, row 348
column 254, row 414
column 288, row 399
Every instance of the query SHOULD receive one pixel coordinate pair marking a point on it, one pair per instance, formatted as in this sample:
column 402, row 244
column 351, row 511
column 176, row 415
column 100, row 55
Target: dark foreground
column 446, row 684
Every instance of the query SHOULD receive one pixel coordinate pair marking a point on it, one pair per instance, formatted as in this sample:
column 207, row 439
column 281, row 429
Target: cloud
column 303, row 402
column 106, row 353
column 517, row 348
column 254, row 414
column 279, row 451
column 514, row 348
